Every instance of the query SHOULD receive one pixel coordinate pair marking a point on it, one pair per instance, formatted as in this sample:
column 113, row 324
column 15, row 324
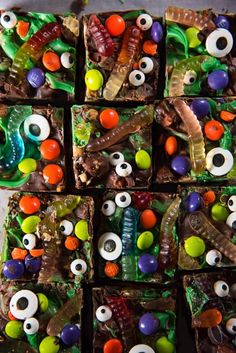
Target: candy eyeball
column 67, row 60
column 66, row 227
column 103, row 313
column 213, row 257
column 78, row 267
column 108, row 208
column 221, row 288
column 219, row 43
column 219, row 161
column 8, row 19
column 29, row 241
column 23, row 304
column 31, row 326
column 232, row 203
column 36, row 127
column 123, row 169
column 109, row 246
column 123, row 199
column 190, row 77
column 146, row 65
column 116, row 158
column 136, row 78
column 231, row 221
column 144, row 21
column 231, row 326
column 142, row 348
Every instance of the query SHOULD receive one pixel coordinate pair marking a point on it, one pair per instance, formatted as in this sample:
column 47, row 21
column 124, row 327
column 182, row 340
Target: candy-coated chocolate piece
column 143, row 160
column 115, row 25
column 163, row 345
column 49, row 344
column 70, row 334
column 171, row 145
column 209, row 197
column 219, row 212
column 109, row 118
column 51, row 61
column 52, row 174
column 94, row 80
column 32, row 264
column 145, row 240
column 194, row 246
column 214, row 130
column 81, row 230
column 200, row 107
column 148, row 219
column 180, row 164
column 27, row 165
column 14, row 329
column 218, row 79
column 43, row 302
column 29, row 224
column 50, row 149
column 148, row 324
column 36, row 77
column 29, row 204
column 114, row 345
column 222, row 22
column 193, row 201
column 71, row 243
column 192, row 36
column 111, row 269
column 13, row 269
column 147, row 263
column 156, row 32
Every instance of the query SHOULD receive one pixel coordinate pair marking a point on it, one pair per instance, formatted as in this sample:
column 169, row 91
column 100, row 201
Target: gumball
column 193, row 202
column 50, row 149
column 148, row 324
column 14, row 329
column 200, row 107
column 147, row 263
column 29, row 224
column 148, row 219
column 192, row 36
column 51, row 61
column 180, row 164
column 221, row 22
column 194, row 246
column 29, row 204
column 49, row 345
column 94, row 80
column 13, row 269
column 156, row 32
column 113, row 346
column 52, row 174
column 163, row 345
column 27, row 165
column 70, row 334
column 109, row 118
column 36, row 77
column 214, row 130
column 218, row 79
column 115, row 25
column 219, row 212
column 32, row 264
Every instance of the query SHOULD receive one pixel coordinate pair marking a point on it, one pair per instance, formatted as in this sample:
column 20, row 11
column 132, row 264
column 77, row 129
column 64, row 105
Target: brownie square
column 200, row 53
column 48, row 238
column 137, row 319
column 112, row 148
column 137, row 238
column 195, row 140
column 38, row 316
column 32, row 148
column 124, row 49
column 38, row 55
column 207, row 228
column 211, row 300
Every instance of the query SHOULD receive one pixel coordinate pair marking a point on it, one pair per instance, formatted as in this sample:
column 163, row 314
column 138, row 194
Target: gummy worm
column 195, row 135
column 134, row 124
column 56, row 83
column 100, row 36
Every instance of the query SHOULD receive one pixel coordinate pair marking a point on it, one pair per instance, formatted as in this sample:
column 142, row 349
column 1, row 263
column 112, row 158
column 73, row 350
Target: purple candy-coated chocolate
column 181, row 165
column 193, row 202
column 147, row 263
column 32, row 264
column 148, row 324
column 36, row 77
column 221, row 22
column 156, row 32
column 218, row 79
column 200, row 107
column 13, row 269
column 70, row 334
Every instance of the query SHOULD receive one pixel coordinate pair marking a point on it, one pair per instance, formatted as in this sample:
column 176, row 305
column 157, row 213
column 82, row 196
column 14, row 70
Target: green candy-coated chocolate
column 143, row 160
column 163, row 345
column 94, row 80
column 219, row 212
column 145, row 240
column 27, row 165
column 49, row 345
column 14, row 329
column 43, row 302
column 192, row 36
column 81, row 230
column 194, row 246
column 29, row 224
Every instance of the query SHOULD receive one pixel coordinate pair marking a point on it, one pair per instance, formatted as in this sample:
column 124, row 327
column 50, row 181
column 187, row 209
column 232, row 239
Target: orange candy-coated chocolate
column 171, row 145
column 214, row 130
column 209, row 197
column 51, row 61
column 109, row 118
column 115, row 25
column 148, row 219
column 207, row 319
column 50, row 149
column 52, row 174
column 111, row 269
column 29, row 204
column 71, row 243
column 113, row 346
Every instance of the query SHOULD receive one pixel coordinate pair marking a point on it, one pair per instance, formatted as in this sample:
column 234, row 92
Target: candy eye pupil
column 22, row 303
column 218, row 160
column 217, row 259
column 103, row 311
column 143, row 21
column 7, row 18
column 123, row 166
column 123, row 199
column 62, row 228
column 138, row 77
column 105, row 206
column 109, row 245
column 192, row 79
column 234, row 328
column 70, row 60
column 116, row 156
column 26, row 242
column 143, row 65
column 78, row 267
column 28, row 326
column 224, row 287
column 34, row 129
column 231, row 202
column 234, row 225
column 221, row 43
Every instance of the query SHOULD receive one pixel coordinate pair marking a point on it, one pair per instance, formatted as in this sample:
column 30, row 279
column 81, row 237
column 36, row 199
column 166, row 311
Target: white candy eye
column 123, row 199
column 67, row 60
column 29, row 241
column 144, row 21
column 219, row 161
column 141, row 348
column 219, row 42
column 232, row 203
column 103, row 313
column 231, row 221
column 136, row 78
column 78, row 267
column 24, row 304
column 231, row 326
column 146, row 65
column 108, row 208
column 36, row 127
column 66, row 227
column 190, row 77
column 8, row 19
column 116, row 158
column 213, row 257
column 123, row 169
column 221, row 288
column 31, row 326
column 109, row 246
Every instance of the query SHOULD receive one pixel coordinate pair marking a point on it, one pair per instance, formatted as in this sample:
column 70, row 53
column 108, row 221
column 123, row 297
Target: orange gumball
column 214, row 130
column 115, row 25
column 29, row 204
column 50, row 149
column 52, row 174
column 113, row 346
column 51, row 61
column 209, row 197
column 109, row 118
column 148, row 219
column 111, row 269
column 71, row 243
column 171, row 145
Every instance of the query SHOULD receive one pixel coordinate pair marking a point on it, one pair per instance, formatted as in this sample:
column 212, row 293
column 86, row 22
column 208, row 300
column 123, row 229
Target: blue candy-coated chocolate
column 70, row 334
column 193, row 201
column 180, row 164
column 13, row 269
column 156, row 32
column 218, row 79
column 32, row 264
column 36, row 77
column 148, row 324
column 200, row 107
column 221, row 22
column 147, row 263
